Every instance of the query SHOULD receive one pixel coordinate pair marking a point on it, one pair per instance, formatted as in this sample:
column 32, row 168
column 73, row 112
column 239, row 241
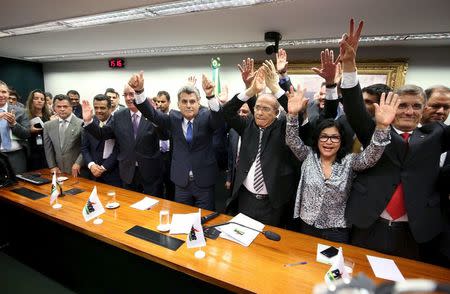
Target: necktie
column 135, row 124
column 258, row 181
column 164, row 146
column 189, row 133
column 4, row 132
column 62, row 130
column 101, row 124
column 396, row 206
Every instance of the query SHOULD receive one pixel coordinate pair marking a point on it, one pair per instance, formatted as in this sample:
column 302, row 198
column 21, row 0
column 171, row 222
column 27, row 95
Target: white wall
column 427, row 66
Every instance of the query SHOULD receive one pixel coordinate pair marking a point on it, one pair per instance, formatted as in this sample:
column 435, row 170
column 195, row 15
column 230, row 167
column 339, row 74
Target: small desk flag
column 195, row 238
column 93, row 207
column 55, row 189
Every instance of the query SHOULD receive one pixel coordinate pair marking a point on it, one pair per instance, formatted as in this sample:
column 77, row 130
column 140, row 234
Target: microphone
column 268, row 234
column 209, row 217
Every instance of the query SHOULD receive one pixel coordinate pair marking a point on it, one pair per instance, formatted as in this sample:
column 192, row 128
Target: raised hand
column 87, row 111
column 296, row 100
column 386, row 110
column 349, row 45
column 258, row 84
column 137, row 81
column 208, row 86
column 329, row 69
column 247, row 69
column 282, row 62
column 223, row 96
column 271, row 76
column 192, row 80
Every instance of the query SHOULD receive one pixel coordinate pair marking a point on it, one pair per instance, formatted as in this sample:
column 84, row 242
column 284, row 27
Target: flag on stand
column 337, row 270
column 195, row 238
column 93, row 207
column 55, row 190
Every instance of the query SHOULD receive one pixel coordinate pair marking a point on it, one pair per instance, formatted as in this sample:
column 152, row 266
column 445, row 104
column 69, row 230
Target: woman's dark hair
column 30, row 106
column 329, row 123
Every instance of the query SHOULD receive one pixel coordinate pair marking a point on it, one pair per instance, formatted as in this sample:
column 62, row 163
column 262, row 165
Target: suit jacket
column 144, row 149
column 416, row 166
column 70, row 153
column 199, row 156
column 277, row 161
column 233, row 140
column 92, row 150
column 21, row 130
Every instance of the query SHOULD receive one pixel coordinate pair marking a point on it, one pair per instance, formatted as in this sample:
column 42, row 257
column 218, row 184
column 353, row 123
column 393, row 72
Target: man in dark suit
column 101, row 155
column 394, row 206
column 265, row 176
column 115, row 100
column 137, row 138
column 14, row 130
column 74, row 97
column 194, row 167
column 162, row 101
column 234, row 144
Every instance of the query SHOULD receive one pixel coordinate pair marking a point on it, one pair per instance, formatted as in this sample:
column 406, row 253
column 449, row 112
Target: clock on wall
column 116, row 63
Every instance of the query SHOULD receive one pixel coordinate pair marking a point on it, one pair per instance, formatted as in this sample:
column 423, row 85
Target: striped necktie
column 258, row 181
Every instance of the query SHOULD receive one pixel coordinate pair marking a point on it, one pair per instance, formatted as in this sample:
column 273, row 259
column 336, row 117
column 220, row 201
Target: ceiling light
column 206, row 48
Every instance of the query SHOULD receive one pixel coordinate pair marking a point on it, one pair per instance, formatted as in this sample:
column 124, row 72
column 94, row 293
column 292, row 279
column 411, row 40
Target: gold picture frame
column 389, row 71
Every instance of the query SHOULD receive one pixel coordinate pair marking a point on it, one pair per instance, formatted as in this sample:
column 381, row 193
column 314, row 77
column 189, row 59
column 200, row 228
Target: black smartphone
column 211, row 233
column 73, row 191
column 330, row 252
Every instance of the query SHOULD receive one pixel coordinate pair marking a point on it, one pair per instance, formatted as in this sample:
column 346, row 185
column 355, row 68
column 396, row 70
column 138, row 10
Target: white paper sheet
column 182, row 223
column 36, row 120
column 240, row 234
column 385, row 268
column 145, row 203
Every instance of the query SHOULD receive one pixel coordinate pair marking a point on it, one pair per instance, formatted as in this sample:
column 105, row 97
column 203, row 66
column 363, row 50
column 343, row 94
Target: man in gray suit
column 14, row 130
column 62, row 139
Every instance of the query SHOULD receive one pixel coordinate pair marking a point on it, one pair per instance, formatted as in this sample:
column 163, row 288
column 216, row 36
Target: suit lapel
column 195, row 129
column 396, row 151
column 416, row 139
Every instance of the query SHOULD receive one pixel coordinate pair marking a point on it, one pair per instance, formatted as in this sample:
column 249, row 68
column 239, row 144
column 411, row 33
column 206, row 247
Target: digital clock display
column 116, row 63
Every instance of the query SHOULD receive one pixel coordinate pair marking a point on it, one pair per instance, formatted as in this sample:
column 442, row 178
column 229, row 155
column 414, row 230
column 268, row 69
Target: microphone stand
column 268, row 234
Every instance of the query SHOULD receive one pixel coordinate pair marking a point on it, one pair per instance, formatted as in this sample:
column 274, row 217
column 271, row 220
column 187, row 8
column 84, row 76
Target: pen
column 296, row 263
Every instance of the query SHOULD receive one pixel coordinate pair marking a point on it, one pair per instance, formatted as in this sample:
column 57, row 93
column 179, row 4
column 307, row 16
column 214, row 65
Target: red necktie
column 396, row 206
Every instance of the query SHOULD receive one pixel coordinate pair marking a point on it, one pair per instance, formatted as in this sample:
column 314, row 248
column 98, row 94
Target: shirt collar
column 410, row 132
column 138, row 113
column 68, row 119
column 186, row 121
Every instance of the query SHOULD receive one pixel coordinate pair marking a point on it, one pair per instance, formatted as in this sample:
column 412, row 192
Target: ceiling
column 295, row 20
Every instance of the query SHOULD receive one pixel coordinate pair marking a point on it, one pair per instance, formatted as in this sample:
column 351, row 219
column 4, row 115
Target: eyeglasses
column 334, row 139
column 263, row 108
column 439, row 106
column 405, row 106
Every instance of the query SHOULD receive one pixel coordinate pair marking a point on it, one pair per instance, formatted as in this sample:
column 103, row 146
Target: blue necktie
column 189, row 133
column 4, row 133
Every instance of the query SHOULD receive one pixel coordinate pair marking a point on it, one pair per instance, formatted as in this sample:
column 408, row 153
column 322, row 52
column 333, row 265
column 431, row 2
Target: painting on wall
column 390, row 72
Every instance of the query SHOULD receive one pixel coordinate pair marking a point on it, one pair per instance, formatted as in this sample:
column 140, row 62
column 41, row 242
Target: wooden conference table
column 258, row 268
